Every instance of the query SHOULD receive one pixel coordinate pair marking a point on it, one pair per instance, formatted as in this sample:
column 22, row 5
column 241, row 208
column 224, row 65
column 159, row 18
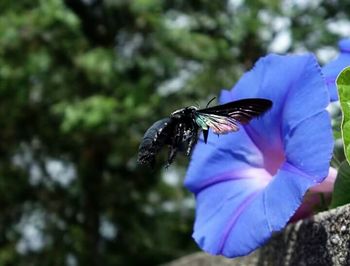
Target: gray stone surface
column 321, row 240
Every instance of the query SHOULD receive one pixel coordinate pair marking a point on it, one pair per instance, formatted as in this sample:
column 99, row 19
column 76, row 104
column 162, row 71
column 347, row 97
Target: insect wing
column 219, row 124
column 227, row 117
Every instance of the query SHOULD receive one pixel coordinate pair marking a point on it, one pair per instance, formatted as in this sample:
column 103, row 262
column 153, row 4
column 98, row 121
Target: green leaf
column 89, row 114
column 341, row 191
column 343, row 84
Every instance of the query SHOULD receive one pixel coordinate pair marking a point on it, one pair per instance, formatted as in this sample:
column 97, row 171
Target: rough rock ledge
column 323, row 239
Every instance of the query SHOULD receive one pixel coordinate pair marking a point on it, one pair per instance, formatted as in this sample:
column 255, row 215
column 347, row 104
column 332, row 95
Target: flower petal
column 332, row 69
column 327, row 184
column 231, row 152
column 218, row 208
column 312, row 198
column 296, row 89
column 309, row 146
column 237, row 216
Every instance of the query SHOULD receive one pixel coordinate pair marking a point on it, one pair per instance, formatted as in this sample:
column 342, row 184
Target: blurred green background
column 81, row 81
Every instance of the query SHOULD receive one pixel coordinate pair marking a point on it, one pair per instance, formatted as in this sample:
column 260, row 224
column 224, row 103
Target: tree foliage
column 80, row 82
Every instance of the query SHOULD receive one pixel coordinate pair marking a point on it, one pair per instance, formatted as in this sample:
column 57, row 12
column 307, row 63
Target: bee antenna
column 197, row 104
column 210, row 102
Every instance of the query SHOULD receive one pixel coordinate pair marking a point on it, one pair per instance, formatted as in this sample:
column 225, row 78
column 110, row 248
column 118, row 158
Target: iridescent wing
column 219, row 124
column 226, row 118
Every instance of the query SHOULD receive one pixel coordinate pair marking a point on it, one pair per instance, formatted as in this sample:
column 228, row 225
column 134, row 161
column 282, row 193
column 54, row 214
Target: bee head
column 187, row 111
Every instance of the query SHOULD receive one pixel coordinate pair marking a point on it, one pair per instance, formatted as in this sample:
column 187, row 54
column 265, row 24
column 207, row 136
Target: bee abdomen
column 153, row 140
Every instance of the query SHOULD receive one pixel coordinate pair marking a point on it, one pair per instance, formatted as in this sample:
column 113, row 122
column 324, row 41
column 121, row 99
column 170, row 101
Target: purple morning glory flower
column 248, row 184
column 332, row 69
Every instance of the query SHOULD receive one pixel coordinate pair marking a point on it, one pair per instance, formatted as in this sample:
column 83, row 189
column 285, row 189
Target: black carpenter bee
column 180, row 130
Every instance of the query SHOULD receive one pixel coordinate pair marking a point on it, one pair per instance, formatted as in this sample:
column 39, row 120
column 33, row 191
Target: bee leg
column 175, row 144
column 171, row 155
column 191, row 143
column 205, row 134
